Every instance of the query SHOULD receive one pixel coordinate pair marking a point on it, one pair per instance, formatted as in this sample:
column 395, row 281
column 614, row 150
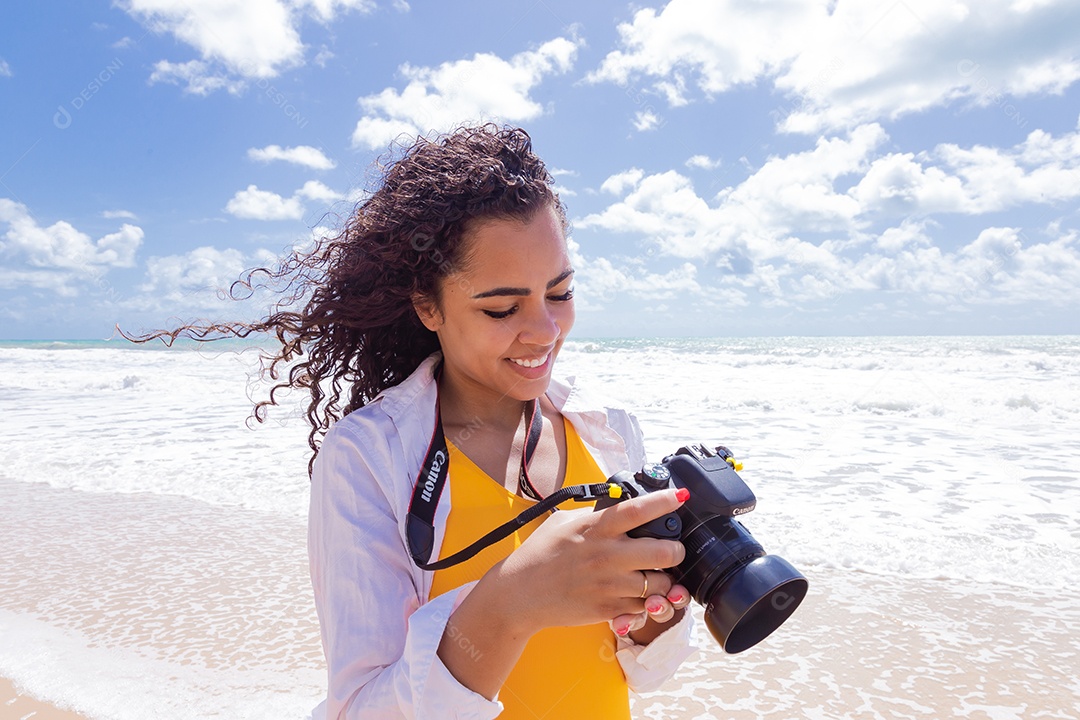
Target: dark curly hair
column 357, row 332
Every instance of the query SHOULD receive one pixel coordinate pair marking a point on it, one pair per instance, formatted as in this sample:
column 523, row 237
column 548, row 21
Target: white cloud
column 621, row 182
column 235, row 39
column 874, row 215
column 325, row 10
column 191, row 279
column 115, row 214
column 196, row 77
column 792, row 192
column 844, row 64
column 255, row 204
column 440, row 98
column 645, row 120
column 598, row 281
column 315, row 190
column 975, row 180
column 703, row 162
column 5, row 69
column 300, row 155
column 61, row 246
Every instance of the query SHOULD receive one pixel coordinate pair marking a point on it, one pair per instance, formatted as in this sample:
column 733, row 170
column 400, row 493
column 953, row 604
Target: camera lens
column 754, row 601
column 746, row 593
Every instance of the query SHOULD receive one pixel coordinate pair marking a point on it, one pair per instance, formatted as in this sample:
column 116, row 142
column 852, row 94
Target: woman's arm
column 381, row 643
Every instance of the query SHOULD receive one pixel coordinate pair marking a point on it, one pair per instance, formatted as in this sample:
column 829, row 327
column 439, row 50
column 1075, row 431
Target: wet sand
column 865, row 646
column 175, row 609
column 18, row 706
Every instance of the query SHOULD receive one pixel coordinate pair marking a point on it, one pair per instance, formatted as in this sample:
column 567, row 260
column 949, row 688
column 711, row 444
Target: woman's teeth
column 536, row 362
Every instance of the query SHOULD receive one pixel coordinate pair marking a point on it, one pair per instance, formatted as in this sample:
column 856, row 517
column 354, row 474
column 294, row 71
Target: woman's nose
column 541, row 327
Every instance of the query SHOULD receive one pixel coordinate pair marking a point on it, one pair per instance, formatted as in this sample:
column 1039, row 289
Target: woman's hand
column 580, row 567
column 661, row 609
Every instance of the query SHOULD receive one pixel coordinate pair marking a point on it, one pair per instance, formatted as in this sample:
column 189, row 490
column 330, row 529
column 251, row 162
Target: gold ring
column 645, row 589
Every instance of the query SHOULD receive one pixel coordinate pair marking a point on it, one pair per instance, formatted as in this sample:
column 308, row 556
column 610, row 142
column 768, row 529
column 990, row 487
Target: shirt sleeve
column 647, row 667
column 380, row 640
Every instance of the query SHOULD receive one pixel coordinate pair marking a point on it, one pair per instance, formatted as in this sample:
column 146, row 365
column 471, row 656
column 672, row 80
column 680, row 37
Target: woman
column 438, row 313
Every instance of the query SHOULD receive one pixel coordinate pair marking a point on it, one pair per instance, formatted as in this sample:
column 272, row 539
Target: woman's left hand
column 660, row 608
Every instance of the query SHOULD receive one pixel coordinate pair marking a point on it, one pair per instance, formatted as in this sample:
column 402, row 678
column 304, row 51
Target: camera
column 746, row 593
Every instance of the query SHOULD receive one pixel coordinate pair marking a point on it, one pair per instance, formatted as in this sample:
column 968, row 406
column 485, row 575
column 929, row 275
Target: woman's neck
column 463, row 403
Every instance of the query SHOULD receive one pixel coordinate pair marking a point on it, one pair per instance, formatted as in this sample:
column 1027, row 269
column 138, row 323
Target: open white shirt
column 380, row 632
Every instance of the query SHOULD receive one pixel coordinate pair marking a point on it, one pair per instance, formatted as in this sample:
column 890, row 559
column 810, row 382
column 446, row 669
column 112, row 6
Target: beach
column 154, row 543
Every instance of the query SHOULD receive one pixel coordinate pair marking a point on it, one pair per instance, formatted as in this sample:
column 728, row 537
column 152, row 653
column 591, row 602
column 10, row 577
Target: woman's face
column 502, row 319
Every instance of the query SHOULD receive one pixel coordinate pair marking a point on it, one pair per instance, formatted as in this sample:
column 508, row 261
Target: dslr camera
column 746, row 593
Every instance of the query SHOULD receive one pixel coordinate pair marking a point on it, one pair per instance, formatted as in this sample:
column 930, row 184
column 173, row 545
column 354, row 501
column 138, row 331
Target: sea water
column 153, row 536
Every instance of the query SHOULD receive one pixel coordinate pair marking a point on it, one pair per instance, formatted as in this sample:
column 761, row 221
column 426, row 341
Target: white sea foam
column 148, row 530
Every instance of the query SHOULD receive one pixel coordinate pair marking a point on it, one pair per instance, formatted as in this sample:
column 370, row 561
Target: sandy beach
column 17, row 706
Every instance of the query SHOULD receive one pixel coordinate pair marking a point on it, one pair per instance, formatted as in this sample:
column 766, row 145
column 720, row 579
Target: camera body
column 746, row 593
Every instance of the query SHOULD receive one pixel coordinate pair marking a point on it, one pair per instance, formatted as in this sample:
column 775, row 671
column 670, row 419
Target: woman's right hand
column 580, row 567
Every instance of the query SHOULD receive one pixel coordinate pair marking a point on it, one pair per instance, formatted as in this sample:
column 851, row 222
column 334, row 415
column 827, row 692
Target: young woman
column 431, row 327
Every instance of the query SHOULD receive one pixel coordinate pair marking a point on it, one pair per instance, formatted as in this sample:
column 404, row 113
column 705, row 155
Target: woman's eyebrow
column 522, row 291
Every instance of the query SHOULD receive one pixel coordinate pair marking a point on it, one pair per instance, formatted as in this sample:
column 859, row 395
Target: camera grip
column 665, row 527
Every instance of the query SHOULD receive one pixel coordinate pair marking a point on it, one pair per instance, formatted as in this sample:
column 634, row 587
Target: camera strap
column 428, row 488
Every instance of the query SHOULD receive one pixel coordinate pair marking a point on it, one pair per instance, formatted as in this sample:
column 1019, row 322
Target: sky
column 730, row 168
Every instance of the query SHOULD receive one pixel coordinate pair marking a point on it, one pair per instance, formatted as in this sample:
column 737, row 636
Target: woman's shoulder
column 396, row 419
column 392, row 410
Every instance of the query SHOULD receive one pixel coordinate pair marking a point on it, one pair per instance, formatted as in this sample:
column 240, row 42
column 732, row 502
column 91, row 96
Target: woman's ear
column 428, row 312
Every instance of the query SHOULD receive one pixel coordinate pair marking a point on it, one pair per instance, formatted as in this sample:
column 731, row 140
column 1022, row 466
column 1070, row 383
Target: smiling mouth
column 533, row 363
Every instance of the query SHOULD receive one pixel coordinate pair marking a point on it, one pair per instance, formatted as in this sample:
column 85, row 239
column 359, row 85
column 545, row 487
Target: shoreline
column 16, row 705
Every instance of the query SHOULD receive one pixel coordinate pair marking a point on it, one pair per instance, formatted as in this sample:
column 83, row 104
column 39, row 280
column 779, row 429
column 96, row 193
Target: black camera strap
column 428, row 488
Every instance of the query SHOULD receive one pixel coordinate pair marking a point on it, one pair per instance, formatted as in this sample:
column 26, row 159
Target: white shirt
column 380, row 632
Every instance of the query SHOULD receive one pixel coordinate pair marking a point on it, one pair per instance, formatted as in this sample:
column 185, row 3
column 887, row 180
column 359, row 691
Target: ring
column 645, row 590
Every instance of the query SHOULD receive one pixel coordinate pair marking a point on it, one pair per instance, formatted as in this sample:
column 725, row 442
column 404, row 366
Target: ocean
column 154, row 537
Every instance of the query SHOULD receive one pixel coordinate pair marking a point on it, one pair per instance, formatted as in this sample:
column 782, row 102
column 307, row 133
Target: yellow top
column 564, row 672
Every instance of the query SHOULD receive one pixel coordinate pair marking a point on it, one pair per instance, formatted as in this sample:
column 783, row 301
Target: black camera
column 746, row 593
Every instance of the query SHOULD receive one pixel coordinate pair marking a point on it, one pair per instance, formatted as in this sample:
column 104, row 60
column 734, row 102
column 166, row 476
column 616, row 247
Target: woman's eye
column 568, row 295
column 500, row 314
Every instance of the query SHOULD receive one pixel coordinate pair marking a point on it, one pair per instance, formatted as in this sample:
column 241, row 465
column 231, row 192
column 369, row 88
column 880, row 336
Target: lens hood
column 755, row 600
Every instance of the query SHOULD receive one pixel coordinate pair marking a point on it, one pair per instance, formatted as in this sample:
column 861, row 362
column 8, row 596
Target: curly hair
column 357, row 332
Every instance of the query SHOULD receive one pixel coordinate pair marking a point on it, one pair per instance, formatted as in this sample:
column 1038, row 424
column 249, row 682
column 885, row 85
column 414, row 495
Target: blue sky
column 730, row 168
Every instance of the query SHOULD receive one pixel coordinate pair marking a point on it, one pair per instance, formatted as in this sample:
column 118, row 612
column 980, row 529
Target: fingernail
column 676, row 598
column 622, row 630
column 655, row 608
column 682, row 494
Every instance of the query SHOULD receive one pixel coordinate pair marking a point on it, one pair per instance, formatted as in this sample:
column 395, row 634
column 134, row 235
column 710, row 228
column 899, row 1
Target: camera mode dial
column 656, row 477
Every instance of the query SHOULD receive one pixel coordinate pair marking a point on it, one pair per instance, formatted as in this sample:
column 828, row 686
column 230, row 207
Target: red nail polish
column 682, row 494
column 676, row 599
column 622, row 631
column 655, row 608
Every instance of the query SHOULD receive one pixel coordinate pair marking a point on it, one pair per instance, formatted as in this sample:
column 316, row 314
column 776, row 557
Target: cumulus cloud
column 255, row 204
column 847, row 217
column 843, row 64
column 5, row 69
column 619, row 183
column 304, row 155
column 235, row 39
column 483, row 87
column 599, row 281
column 703, row 162
column 61, row 246
column 59, row 257
column 185, row 278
